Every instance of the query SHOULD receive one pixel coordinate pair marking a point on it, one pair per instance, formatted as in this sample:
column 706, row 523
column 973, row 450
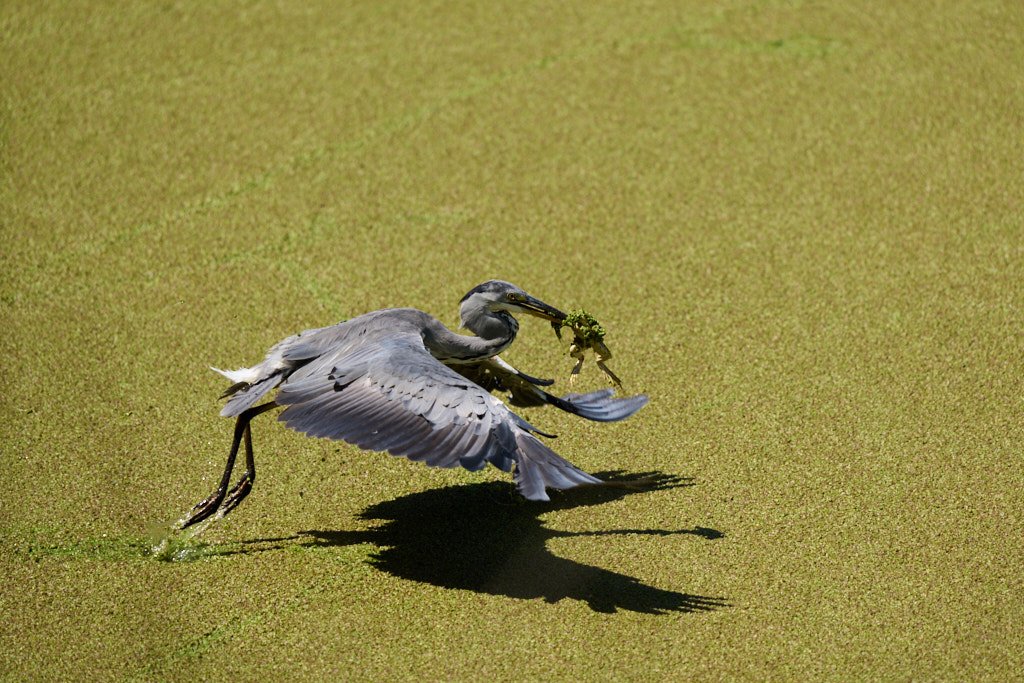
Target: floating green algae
column 169, row 543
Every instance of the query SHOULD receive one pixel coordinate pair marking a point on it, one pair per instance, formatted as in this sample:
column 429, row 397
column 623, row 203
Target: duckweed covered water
column 168, row 543
column 803, row 219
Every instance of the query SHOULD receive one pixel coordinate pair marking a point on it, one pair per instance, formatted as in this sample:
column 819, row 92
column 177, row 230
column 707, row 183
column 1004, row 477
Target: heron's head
column 497, row 295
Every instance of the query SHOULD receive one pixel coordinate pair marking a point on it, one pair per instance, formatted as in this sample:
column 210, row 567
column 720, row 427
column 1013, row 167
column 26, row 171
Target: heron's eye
column 515, row 296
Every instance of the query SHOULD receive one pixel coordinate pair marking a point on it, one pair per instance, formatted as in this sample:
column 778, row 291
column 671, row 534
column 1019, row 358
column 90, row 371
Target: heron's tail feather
column 247, row 390
column 234, row 389
column 538, row 467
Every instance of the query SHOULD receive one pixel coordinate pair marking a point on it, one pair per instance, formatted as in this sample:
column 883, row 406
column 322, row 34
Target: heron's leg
column 532, row 380
column 244, row 485
column 211, row 504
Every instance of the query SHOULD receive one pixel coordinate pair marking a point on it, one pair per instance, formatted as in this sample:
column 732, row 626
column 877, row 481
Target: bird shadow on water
column 477, row 537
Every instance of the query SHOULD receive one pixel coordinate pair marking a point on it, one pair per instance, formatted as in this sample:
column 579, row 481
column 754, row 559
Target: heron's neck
column 493, row 332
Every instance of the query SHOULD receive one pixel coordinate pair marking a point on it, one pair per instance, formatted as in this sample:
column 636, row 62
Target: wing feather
column 538, row 467
column 389, row 394
column 372, row 382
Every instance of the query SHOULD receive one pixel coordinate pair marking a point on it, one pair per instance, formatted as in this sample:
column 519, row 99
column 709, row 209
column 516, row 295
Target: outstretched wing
column 390, row 394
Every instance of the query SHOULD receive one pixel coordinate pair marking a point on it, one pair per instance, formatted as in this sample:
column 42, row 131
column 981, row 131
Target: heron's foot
column 213, row 500
column 204, row 509
column 237, row 494
column 220, row 502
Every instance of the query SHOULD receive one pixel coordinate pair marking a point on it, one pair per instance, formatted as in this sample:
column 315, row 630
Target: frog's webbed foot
column 611, row 375
column 604, row 354
column 577, row 350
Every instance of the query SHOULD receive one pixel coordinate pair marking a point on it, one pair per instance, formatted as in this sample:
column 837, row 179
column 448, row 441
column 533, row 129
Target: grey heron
column 398, row 380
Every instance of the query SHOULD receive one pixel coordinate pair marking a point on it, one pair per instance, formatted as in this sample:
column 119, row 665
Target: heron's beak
column 541, row 310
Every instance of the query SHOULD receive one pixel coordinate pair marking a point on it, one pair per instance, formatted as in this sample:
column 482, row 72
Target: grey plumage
column 398, row 380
